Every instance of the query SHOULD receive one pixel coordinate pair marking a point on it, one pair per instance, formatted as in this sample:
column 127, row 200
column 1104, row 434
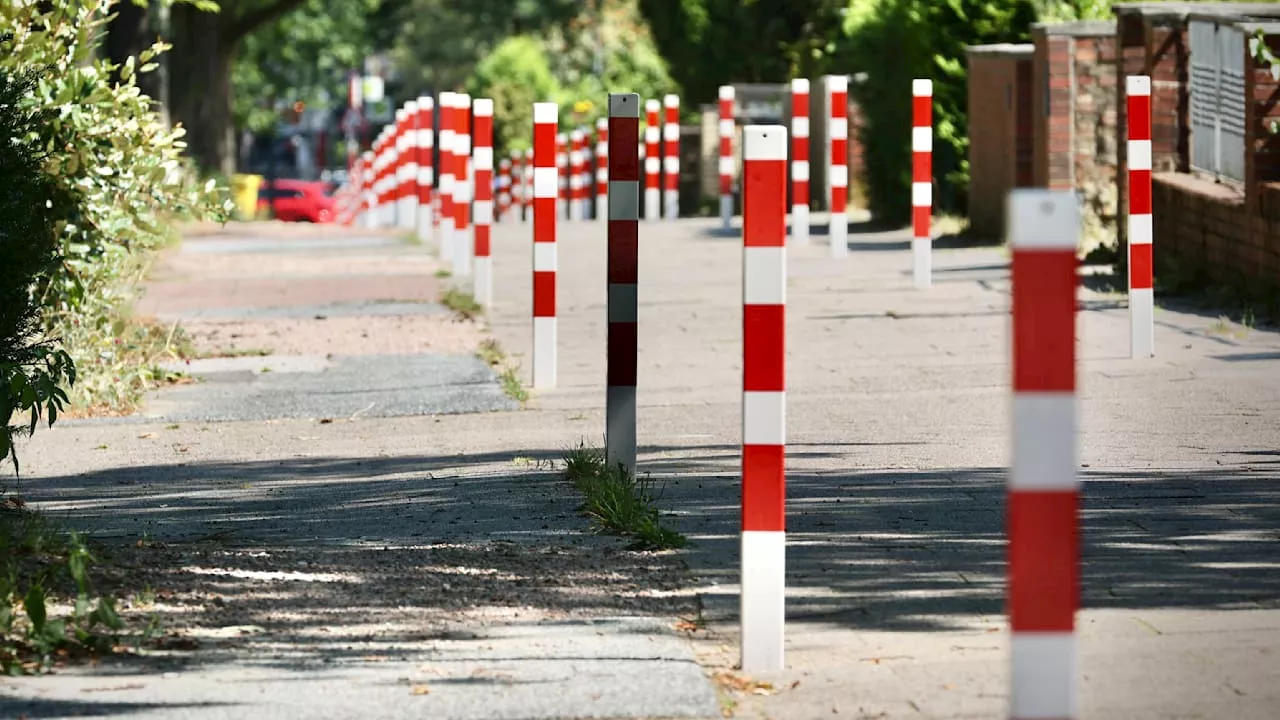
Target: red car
column 297, row 200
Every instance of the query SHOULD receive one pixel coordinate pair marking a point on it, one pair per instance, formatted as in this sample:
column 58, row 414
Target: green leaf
column 34, row 605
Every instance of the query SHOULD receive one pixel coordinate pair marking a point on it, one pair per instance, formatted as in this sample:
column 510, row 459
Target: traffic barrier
column 448, row 218
column 562, row 174
column 545, row 212
column 764, row 284
column 623, row 271
column 1142, row 342
column 1042, row 507
column 800, row 161
column 502, row 206
column 482, row 127
column 838, row 101
column 726, row 155
column 369, row 196
column 462, row 241
column 425, row 220
column 671, row 161
column 921, row 182
column 407, row 206
column 577, row 166
column 602, row 167
column 652, row 165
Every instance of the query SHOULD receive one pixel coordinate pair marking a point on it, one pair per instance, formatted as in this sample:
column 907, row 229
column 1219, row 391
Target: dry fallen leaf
column 146, row 436
column 421, row 690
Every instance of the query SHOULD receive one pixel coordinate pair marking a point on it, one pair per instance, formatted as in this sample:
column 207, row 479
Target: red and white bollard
column 838, row 101
column 921, row 182
column 503, row 203
column 517, row 184
column 526, row 194
column 482, row 108
column 407, row 207
column 368, row 192
column 764, row 419
column 623, row 209
column 562, row 173
column 652, row 163
column 726, row 155
column 671, row 161
column 602, row 166
column 426, row 172
column 800, row 161
column 1042, row 508
column 546, row 187
column 463, row 250
column 1142, row 308
column 448, row 218
column 577, row 166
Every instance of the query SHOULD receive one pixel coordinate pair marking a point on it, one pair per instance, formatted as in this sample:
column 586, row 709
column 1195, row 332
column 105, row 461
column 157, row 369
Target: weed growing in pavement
column 493, row 356
column 617, row 502
column 444, row 272
column 462, row 304
column 40, row 563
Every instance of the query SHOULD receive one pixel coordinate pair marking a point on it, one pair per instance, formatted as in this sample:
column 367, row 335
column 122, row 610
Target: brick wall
column 1206, row 234
column 1076, row 118
column 1000, row 152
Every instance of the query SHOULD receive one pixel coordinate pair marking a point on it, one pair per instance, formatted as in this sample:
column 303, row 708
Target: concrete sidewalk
column 898, row 439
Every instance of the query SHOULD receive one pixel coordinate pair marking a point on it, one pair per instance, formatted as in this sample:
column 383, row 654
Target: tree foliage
column 30, row 210
column 926, row 39
column 119, row 166
column 305, row 57
column 709, row 43
column 575, row 64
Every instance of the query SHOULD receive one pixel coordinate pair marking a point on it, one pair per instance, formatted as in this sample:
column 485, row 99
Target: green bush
column 31, row 369
column 122, row 168
column 515, row 76
column 926, row 39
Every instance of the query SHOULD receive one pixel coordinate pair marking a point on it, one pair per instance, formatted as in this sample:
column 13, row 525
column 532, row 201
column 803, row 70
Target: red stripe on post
column 764, row 337
column 1043, row 557
column 1044, row 315
column 1139, row 192
column 624, row 252
column 623, row 351
column 768, row 180
column 1140, row 267
column 544, row 293
column 764, row 487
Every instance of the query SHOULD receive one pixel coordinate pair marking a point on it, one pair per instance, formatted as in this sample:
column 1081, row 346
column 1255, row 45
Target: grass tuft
column 493, row 355
column 617, row 502
column 462, row 304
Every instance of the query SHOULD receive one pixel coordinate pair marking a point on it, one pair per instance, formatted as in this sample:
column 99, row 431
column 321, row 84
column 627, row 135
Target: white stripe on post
column 1043, row 498
column 576, row 164
column 727, row 97
column 1142, row 309
column 546, row 198
column 800, row 161
column 921, row 182
column 763, row 558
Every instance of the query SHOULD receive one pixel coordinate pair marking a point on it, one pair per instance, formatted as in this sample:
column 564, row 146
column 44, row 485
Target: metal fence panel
column 1204, row 90
column 1231, row 102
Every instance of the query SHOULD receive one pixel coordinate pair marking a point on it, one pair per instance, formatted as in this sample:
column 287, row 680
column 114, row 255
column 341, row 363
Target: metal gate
column 1217, row 93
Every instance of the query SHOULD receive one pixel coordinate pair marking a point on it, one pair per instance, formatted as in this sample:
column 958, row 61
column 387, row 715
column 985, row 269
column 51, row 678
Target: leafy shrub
column 926, row 39
column 31, row 369
column 108, row 151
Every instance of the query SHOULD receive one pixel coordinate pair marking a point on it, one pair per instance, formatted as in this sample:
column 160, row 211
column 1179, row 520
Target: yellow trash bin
column 244, row 188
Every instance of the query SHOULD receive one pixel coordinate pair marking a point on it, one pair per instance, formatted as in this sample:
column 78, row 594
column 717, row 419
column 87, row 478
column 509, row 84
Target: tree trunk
column 200, row 85
column 133, row 30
